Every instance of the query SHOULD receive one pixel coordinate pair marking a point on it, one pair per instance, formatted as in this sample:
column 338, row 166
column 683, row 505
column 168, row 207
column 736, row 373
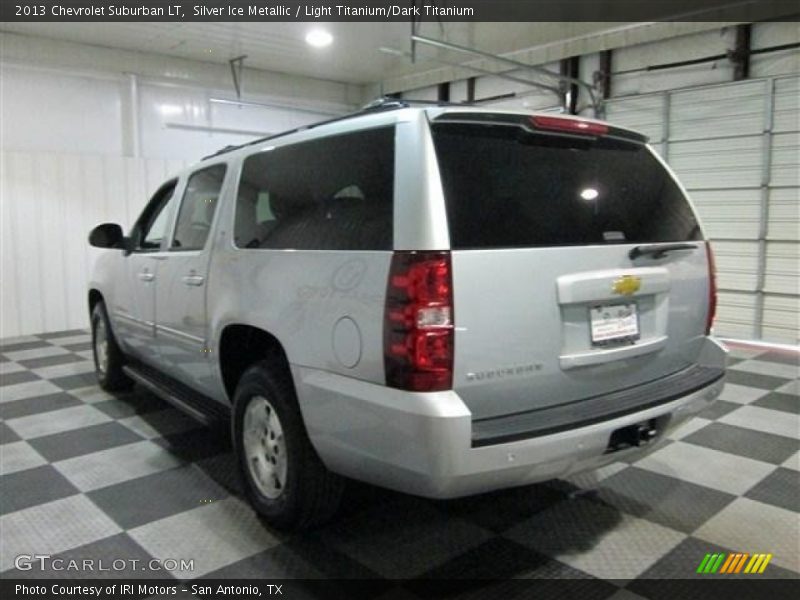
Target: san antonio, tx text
column 147, row 590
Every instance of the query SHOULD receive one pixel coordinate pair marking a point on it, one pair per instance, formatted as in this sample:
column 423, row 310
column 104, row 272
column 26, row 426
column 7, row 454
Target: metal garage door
column 736, row 147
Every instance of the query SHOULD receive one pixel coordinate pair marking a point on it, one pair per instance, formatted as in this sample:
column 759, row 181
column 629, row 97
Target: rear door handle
column 147, row 276
column 194, row 280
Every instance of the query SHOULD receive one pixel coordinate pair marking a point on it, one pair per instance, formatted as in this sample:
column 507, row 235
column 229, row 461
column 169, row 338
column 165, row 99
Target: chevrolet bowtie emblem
column 627, row 285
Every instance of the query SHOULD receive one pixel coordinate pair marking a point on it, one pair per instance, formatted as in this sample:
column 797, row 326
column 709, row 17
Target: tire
column 108, row 358
column 283, row 477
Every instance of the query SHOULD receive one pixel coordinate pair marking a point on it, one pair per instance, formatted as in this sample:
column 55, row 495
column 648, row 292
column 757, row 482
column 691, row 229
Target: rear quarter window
column 332, row 193
column 509, row 187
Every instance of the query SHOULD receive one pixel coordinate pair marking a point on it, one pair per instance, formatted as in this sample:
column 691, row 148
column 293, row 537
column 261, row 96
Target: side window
column 197, row 208
column 333, row 193
column 151, row 227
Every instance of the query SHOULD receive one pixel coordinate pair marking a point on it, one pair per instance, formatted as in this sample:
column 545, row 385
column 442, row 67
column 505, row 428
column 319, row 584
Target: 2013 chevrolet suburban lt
column 441, row 300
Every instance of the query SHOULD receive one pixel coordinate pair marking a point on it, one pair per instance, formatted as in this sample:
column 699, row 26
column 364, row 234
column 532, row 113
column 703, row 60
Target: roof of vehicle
column 434, row 109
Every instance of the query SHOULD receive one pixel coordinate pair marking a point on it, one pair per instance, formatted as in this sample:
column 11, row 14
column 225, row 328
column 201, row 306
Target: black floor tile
column 79, row 347
column 756, row 380
column 32, row 487
column 7, row 435
column 276, row 563
column 786, row 358
column 197, row 444
column 61, row 334
column 780, row 488
column 49, row 361
column 6, row 348
column 126, row 405
column 18, row 377
column 72, row 382
column 779, row 401
column 749, row 443
column 664, row 500
column 500, row 510
column 146, row 499
column 36, row 405
column 718, row 408
column 78, row 442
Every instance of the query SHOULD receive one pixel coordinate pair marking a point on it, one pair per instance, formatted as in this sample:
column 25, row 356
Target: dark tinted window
column 333, row 193
column 151, row 226
column 507, row 187
column 198, row 207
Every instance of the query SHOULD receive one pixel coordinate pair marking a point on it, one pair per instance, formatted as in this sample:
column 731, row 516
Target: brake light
column 578, row 126
column 418, row 322
column 712, row 289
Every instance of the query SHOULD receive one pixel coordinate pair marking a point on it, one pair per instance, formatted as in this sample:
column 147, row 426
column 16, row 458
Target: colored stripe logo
column 735, row 562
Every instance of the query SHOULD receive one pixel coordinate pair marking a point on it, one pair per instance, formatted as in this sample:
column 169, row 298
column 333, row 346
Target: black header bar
column 397, row 10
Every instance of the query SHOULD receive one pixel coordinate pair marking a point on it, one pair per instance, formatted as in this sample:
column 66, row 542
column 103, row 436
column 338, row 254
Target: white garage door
column 736, row 147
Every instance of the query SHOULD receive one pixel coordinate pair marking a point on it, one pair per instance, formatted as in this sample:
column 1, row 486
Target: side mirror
column 107, row 235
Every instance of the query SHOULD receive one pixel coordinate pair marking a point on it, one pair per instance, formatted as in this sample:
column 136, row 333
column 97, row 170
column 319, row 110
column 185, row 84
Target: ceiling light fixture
column 319, row 38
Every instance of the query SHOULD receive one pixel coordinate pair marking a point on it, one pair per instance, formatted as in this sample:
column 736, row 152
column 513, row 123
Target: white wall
column 87, row 134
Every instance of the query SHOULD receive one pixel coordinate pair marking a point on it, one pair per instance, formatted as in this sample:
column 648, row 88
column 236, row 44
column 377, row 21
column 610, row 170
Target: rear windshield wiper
column 657, row 250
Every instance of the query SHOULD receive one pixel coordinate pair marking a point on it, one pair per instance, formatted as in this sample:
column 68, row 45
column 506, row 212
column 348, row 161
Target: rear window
column 508, row 187
column 333, row 193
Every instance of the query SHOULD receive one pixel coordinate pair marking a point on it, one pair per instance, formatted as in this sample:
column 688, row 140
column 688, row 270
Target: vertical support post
column 741, row 52
column 763, row 225
column 133, row 122
column 471, row 89
column 444, row 92
column 665, row 129
column 573, row 71
column 605, row 74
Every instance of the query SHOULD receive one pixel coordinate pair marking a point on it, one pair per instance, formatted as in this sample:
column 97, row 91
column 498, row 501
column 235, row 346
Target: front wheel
column 108, row 358
column 284, row 478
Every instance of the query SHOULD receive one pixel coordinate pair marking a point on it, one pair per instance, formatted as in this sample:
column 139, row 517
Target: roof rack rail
column 384, row 103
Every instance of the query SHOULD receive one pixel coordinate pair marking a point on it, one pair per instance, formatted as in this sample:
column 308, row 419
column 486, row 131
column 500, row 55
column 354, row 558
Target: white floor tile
column 29, row 389
column 707, row 467
column 10, row 367
column 57, row 421
column 749, row 526
column 793, row 462
column 52, row 528
column 44, row 352
column 19, row 456
column 115, row 465
column 688, row 428
column 214, row 536
column 741, row 394
column 764, row 419
column 763, row 367
column 65, row 370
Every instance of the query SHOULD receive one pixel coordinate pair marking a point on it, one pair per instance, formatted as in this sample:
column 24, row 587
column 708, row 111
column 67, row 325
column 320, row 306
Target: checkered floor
column 89, row 475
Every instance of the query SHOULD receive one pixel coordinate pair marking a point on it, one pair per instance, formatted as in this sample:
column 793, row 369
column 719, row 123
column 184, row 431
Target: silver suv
column 440, row 300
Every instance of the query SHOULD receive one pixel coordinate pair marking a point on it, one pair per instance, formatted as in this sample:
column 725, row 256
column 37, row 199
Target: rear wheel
column 284, row 478
column 108, row 358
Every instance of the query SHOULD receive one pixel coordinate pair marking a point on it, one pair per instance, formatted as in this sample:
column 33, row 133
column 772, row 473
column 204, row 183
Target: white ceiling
column 354, row 56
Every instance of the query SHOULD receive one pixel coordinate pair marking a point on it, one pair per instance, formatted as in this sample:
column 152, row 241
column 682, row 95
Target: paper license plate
column 614, row 322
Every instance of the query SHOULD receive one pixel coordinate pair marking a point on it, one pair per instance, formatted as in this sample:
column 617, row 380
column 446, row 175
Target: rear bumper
column 422, row 443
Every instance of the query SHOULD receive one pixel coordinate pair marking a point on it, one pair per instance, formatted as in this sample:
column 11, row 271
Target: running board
column 182, row 397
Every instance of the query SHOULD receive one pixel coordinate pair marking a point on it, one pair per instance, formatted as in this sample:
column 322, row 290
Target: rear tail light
column 564, row 125
column 712, row 288
column 418, row 322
